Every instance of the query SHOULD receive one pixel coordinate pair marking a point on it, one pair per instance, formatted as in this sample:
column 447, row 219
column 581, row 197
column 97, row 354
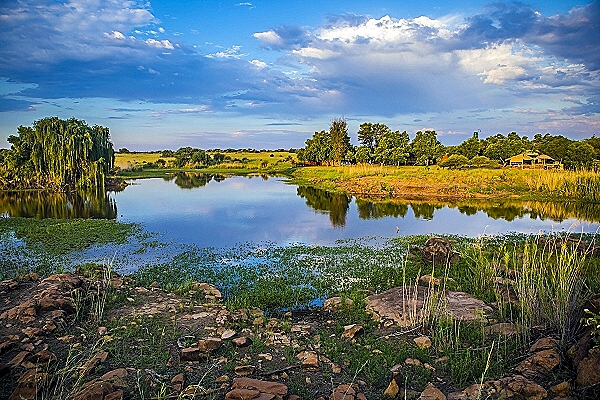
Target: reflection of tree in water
column 336, row 204
column 425, row 210
column 44, row 204
column 191, row 180
column 370, row 210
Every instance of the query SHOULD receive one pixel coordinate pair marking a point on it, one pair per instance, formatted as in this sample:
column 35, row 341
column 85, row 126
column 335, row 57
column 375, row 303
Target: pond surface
column 215, row 211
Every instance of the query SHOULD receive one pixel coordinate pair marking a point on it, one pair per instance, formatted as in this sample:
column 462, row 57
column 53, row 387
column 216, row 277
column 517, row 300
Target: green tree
column 60, row 153
column 363, row 154
column 318, row 149
column 393, row 148
column 557, row 147
column 340, row 140
column 579, row 155
column 454, row 161
column 470, row 147
column 370, row 134
column 426, row 148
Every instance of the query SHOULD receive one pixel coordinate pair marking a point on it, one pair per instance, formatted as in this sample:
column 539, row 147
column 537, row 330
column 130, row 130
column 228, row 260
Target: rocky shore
column 64, row 337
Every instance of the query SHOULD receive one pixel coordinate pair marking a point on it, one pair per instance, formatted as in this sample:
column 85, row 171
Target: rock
column 32, row 332
column 413, row 361
column 409, row 305
column 588, row 370
column 539, row 364
column 432, row 393
column 255, row 387
column 177, row 382
column 19, row 358
column 228, row 334
column 39, row 359
column 208, row 289
column 438, row 251
column 392, row 390
column 422, row 342
column 191, row 354
column 526, row 388
column 94, row 362
column 343, row 392
column 351, row 331
column 309, row 360
column 242, row 341
column 98, row 389
column 29, row 385
column 334, row 303
column 561, row 389
column 543, row 344
column 243, row 370
column 7, row 346
column 209, row 345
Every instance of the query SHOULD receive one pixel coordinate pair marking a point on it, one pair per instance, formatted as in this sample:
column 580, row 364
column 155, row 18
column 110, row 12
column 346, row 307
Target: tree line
column 58, row 154
column 378, row 144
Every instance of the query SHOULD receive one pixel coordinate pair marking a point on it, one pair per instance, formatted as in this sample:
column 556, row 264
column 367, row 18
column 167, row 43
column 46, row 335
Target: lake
column 218, row 211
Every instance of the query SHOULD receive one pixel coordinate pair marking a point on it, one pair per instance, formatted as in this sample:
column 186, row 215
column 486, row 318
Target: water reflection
column 191, row 180
column 337, row 204
column 43, row 204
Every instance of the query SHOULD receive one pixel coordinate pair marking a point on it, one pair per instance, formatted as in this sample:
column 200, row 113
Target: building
column 532, row 160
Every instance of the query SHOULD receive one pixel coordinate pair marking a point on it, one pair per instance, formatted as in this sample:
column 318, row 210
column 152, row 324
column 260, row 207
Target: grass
column 553, row 274
column 371, row 181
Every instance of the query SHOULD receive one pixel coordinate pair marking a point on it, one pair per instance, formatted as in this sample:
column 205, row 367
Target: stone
column 539, row 364
column 242, row 341
column 525, row 387
column 392, row 390
column 209, row 345
column 18, row 359
column 190, row 354
column 543, row 344
column 94, row 362
column 39, row 359
column 334, row 303
column 96, row 389
column 177, row 382
column 208, row 289
column 561, row 390
column 275, row 389
column 343, row 392
column 422, row 342
column 242, row 394
column 309, row 360
column 432, row 393
column 588, row 370
column 32, row 332
column 29, row 384
column 410, row 305
column 352, row 331
column 438, row 251
column 243, row 370
column 7, row 346
column 228, row 334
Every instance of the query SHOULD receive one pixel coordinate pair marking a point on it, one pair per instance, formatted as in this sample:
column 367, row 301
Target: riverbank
column 198, row 323
column 418, row 183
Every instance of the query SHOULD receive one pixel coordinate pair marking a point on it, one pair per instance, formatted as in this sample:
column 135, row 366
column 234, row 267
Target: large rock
column 438, row 251
column 409, row 305
column 588, row 371
column 247, row 388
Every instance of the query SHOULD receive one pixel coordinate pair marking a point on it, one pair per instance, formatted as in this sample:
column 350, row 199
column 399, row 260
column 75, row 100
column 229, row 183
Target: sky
column 267, row 74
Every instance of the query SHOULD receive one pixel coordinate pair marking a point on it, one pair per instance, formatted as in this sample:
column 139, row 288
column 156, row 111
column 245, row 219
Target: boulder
column 209, row 345
column 409, row 305
column 432, row 393
column 588, row 371
column 247, row 388
column 351, row 331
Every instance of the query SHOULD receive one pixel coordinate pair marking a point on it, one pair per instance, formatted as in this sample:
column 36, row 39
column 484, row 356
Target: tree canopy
column 58, row 153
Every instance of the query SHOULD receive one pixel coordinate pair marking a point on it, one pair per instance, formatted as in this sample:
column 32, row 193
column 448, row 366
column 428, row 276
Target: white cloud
column 232, row 52
column 258, row 64
column 160, row 44
column 271, row 38
column 115, row 35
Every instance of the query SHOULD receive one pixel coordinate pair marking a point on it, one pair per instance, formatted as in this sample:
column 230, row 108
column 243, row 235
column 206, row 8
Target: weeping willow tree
column 58, row 153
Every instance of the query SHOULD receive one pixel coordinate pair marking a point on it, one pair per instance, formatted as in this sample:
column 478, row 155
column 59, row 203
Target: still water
column 215, row 211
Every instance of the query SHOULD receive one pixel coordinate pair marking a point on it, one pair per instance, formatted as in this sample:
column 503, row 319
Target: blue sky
column 268, row 74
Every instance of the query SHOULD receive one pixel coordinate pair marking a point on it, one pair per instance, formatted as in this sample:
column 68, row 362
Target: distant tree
column 579, row 155
column 363, row 154
column 318, row 149
column 426, row 148
column 340, row 140
column 124, row 150
column 595, row 143
column 499, row 148
column 470, row 147
column 557, row 147
column 393, row 148
column 167, row 153
column 454, row 161
column 369, row 134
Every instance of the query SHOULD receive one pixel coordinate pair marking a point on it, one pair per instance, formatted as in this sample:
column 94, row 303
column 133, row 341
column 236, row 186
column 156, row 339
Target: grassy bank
column 553, row 275
column 387, row 182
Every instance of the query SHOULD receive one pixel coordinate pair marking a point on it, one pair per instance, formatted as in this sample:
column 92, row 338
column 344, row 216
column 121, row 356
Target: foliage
column 593, row 320
column 340, row 141
column 454, row 161
column 426, row 148
column 319, row 149
column 499, row 148
column 58, row 153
